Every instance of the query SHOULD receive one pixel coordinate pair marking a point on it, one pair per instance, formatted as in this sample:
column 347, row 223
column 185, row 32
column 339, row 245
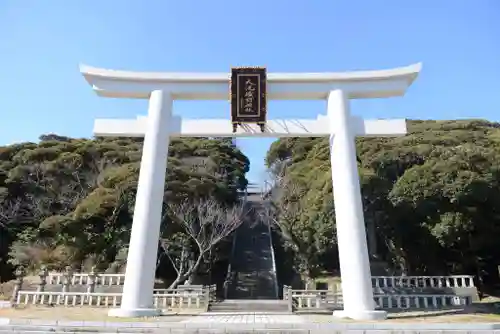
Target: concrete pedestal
column 360, row 315
column 134, row 313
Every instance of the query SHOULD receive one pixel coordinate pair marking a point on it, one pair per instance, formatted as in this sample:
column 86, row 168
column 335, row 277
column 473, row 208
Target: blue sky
column 43, row 42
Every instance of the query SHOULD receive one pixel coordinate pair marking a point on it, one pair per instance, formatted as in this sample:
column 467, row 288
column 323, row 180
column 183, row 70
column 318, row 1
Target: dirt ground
column 84, row 313
column 100, row 314
column 488, row 310
column 417, row 317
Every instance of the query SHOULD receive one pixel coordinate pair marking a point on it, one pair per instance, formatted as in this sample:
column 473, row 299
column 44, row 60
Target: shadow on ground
column 491, row 308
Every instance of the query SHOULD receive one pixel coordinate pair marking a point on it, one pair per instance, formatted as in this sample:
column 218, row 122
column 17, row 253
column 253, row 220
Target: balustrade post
column 448, row 282
column 425, row 282
column 66, row 281
column 403, row 282
column 20, row 272
column 91, row 280
column 226, row 286
column 290, row 299
column 206, row 295
column 43, row 280
column 67, row 277
column 440, row 282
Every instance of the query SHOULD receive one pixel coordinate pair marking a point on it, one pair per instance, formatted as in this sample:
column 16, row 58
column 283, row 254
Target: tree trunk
column 308, row 280
column 182, row 277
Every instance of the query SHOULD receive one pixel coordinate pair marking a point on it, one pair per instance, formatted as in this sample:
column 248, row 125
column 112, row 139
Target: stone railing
column 184, row 295
column 166, row 300
column 209, row 290
column 273, row 255
column 212, row 292
column 417, row 282
column 455, row 281
column 229, row 280
column 84, row 278
column 314, row 300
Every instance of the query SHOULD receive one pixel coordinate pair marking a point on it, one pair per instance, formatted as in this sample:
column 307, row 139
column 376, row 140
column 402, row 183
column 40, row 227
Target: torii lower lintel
column 179, row 127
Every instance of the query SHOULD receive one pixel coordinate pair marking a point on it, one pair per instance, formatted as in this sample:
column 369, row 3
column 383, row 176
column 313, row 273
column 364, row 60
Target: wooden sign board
column 248, row 96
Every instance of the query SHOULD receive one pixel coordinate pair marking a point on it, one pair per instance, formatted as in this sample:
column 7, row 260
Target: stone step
column 250, row 305
column 252, row 263
column 252, row 254
column 227, row 309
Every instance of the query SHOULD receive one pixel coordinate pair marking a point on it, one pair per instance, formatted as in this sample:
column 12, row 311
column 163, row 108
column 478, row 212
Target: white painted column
column 351, row 233
column 137, row 300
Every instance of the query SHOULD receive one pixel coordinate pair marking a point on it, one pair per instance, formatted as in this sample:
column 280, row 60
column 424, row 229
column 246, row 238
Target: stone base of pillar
column 361, row 315
column 133, row 313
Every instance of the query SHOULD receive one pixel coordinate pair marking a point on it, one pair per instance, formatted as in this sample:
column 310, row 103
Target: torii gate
column 160, row 124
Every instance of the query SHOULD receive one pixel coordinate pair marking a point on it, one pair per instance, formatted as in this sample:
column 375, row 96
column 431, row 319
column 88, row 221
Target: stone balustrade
column 175, row 299
column 83, row 278
column 313, row 300
column 417, row 282
column 185, row 296
column 455, row 281
column 391, row 292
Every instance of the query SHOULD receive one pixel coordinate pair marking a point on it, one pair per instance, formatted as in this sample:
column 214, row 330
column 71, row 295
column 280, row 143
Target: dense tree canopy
column 69, row 201
column 433, row 197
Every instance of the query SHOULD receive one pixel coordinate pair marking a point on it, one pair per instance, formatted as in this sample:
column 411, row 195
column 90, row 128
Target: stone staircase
column 252, row 263
column 253, row 283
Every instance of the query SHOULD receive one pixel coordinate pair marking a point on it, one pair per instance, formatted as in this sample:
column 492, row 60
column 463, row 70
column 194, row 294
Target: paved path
column 245, row 318
column 214, row 325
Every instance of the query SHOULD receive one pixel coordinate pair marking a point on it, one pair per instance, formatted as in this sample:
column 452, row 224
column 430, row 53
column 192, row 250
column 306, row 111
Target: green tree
column 68, row 201
column 431, row 196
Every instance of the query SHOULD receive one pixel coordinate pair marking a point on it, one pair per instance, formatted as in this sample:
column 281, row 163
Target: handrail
column 299, row 300
column 177, row 299
column 228, row 279
column 273, row 257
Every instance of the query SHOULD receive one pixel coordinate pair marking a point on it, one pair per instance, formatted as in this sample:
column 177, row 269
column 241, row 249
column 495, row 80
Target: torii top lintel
column 281, row 86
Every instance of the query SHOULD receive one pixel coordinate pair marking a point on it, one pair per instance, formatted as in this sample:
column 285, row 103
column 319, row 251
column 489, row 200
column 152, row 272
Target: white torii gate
column 160, row 124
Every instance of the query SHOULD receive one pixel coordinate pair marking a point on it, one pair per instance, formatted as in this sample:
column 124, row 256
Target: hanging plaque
column 248, row 96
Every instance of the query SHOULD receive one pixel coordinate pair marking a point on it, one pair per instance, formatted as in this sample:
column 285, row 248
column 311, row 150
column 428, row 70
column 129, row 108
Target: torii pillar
column 341, row 127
